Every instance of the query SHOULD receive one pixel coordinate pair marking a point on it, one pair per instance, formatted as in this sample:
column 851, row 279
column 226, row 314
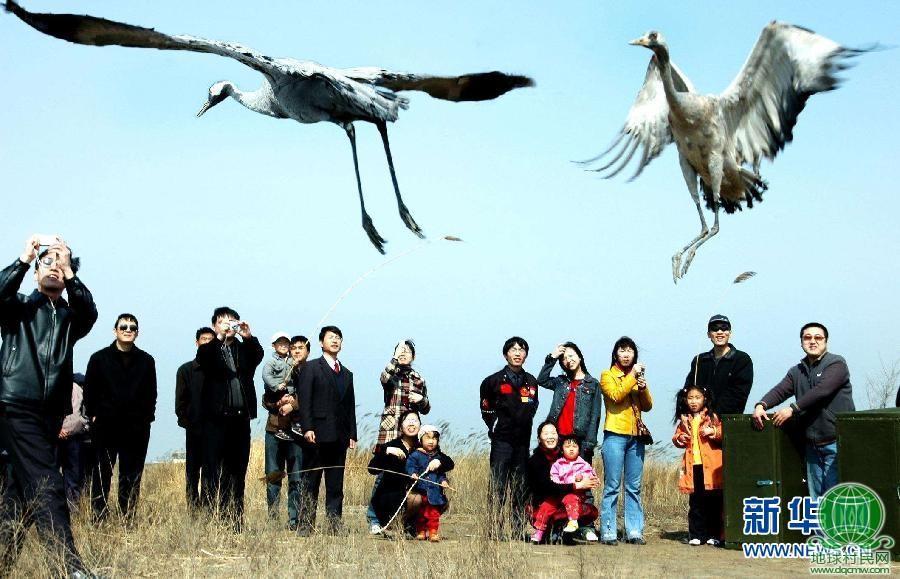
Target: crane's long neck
column 261, row 100
column 665, row 72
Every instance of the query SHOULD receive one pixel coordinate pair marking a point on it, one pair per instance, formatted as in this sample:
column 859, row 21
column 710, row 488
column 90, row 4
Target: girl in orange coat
column 699, row 433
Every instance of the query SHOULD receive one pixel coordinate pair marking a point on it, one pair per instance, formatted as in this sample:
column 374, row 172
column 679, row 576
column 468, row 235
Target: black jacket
column 38, row 339
column 114, row 391
column 323, row 408
column 539, row 482
column 247, row 355
column 188, row 386
column 509, row 411
column 730, row 379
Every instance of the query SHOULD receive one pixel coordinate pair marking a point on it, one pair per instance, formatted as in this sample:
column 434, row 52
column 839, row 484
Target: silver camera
column 235, row 325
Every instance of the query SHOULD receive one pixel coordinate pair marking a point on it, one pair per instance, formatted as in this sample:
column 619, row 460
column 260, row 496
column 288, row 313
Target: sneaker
column 610, row 542
column 292, row 526
column 694, row 542
column 536, row 536
column 713, row 542
column 570, row 527
column 590, row 536
column 295, row 429
column 434, row 537
column 282, row 435
column 420, row 536
column 375, row 529
column 636, row 541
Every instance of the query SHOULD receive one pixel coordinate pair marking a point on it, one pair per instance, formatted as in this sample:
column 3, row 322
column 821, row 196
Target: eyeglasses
column 47, row 261
column 720, row 328
column 811, row 338
column 516, row 350
column 128, row 327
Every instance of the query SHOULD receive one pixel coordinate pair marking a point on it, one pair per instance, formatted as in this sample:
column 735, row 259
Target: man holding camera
column 228, row 405
column 39, row 332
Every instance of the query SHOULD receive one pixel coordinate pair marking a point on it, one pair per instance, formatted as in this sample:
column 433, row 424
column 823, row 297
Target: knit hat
column 428, row 428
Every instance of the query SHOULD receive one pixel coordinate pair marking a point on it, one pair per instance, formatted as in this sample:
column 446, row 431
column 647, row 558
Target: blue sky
column 175, row 215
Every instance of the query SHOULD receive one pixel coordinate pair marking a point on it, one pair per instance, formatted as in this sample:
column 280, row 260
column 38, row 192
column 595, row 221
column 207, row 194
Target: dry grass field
column 167, row 541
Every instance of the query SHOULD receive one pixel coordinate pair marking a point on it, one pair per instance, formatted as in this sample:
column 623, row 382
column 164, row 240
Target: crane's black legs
column 367, row 224
column 404, row 212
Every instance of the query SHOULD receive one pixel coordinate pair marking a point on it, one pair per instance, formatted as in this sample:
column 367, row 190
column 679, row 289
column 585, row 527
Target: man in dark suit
column 188, row 388
column 120, row 401
column 328, row 422
column 228, row 404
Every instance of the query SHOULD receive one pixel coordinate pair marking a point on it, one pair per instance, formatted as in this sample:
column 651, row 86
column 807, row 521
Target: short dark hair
column 223, row 311
column 204, row 330
column 569, row 437
column 543, row 424
column 409, row 344
column 407, row 413
column 127, row 317
column 74, row 262
column 302, row 339
column 624, row 342
column 508, row 344
column 577, row 351
column 326, row 329
column 814, row 325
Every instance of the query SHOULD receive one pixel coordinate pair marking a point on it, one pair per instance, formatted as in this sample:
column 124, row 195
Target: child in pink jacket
column 567, row 470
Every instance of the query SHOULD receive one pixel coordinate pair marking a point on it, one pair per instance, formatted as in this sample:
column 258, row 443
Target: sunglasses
column 128, row 327
column 720, row 328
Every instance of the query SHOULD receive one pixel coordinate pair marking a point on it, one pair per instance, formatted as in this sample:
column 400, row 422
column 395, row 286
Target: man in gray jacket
column 820, row 385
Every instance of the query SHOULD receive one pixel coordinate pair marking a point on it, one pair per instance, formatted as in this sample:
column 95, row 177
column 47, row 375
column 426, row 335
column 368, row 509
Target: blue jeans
column 821, row 468
column 283, row 455
column 621, row 453
column 370, row 511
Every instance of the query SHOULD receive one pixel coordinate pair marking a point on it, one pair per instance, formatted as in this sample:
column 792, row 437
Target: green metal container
column 761, row 463
column 869, row 453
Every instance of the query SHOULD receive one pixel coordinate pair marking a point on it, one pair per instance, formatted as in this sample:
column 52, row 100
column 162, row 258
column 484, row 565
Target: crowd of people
column 52, row 419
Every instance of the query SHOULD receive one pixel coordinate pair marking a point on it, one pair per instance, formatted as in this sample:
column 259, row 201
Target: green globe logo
column 851, row 514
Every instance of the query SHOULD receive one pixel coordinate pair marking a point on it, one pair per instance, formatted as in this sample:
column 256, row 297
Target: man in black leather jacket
column 39, row 332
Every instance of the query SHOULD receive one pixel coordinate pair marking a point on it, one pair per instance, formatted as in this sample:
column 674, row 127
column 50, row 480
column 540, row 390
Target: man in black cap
column 727, row 371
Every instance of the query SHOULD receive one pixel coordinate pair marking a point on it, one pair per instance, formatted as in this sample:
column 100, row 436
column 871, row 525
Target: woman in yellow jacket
column 625, row 395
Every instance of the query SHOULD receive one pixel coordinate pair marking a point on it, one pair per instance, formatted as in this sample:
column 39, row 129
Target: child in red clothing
column 424, row 465
column 566, row 471
column 699, row 433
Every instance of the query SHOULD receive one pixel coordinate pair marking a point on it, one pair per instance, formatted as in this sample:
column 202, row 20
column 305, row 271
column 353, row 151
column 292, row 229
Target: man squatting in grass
column 39, row 332
column 509, row 401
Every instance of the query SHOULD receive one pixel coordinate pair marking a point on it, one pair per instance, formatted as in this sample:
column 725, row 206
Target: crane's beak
column 206, row 106
column 642, row 41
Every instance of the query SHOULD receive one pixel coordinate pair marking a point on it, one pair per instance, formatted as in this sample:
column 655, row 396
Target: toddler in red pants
column 424, row 464
column 568, row 469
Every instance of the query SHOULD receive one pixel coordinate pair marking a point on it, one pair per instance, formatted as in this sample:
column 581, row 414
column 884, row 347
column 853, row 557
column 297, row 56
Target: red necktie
column 337, row 367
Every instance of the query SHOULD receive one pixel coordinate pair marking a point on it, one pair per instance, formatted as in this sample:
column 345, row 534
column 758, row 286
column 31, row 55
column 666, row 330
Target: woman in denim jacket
column 576, row 405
